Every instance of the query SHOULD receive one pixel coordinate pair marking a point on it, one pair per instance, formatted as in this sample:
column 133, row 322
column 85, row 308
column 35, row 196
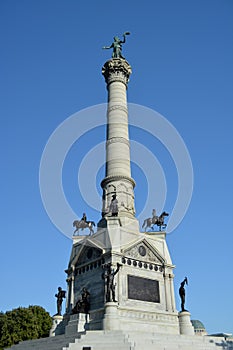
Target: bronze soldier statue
column 60, row 295
column 114, row 206
column 182, row 293
column 109, row 275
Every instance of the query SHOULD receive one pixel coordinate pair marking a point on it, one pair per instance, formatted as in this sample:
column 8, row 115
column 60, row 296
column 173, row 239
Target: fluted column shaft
column 117, row 146
column 117, row 179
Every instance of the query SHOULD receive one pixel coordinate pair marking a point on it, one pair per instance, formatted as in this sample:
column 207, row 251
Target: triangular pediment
column 85, row 251
column 144, row 251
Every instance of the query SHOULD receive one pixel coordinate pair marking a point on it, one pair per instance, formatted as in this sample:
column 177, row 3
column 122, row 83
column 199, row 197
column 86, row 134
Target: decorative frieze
column 112, row 178
column 118, row 107
column 147, row 316
column 117, row 139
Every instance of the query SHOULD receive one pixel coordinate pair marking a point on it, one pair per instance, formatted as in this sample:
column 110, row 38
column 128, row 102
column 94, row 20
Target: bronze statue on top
column 182, row 293
column 117, row 46
column 155, row 220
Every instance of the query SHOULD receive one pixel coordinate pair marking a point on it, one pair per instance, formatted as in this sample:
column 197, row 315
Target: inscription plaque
column 144, row 289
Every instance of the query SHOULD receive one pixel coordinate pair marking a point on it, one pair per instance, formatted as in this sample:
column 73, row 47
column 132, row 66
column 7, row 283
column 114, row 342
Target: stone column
column 70, row 291
column 167, row 292
column 117, row 179
column 171, row 277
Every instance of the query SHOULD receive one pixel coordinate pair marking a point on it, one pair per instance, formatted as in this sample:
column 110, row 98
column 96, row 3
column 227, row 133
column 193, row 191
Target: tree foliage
column 23, row 324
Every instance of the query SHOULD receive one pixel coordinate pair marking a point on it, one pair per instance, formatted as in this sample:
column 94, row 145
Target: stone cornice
column 111, row 178
column 116, row 69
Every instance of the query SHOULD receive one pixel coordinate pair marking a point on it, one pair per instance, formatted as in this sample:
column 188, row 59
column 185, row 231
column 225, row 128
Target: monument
column 143, row 292
column 120, row 291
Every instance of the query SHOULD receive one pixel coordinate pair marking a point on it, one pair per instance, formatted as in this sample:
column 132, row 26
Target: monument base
column 125, row 340
column 111, row 318
column 77, row 323
column 55, row 326
column 185, row 324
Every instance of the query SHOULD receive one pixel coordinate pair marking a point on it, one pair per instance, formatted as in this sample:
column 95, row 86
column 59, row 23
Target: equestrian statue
column 82, row 224
column 155, row 220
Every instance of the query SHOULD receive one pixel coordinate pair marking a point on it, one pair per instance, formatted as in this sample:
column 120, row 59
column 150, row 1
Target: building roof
column 197, row 324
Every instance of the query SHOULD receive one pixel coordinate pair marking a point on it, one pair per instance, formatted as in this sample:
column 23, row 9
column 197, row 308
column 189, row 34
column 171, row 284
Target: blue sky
column 181, row 53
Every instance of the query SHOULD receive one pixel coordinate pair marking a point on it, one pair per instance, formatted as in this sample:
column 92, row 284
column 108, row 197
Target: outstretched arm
column 107, row 47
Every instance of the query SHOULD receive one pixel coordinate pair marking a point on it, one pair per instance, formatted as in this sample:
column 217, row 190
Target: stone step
column 172, row 342
column 108, row 346
column 101, row 340
column 50, row 343
column 120, row 340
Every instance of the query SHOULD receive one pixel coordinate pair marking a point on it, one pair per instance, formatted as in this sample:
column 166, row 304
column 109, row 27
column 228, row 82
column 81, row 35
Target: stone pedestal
column 185, row 324
column 77, row 323
column 56, row 320
column 111, row 318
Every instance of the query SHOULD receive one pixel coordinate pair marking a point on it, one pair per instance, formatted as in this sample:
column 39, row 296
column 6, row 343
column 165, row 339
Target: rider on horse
column 84, row 218
column 155, row 220
column 83, row 223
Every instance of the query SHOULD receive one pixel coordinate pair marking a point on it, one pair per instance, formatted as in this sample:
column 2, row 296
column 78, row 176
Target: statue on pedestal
column 109, row 275
column 117, row 46
column 83, row 305
column 60, row 295
column 182, row 293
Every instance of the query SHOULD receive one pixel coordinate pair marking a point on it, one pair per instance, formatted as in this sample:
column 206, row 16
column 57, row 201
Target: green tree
column 23, row 324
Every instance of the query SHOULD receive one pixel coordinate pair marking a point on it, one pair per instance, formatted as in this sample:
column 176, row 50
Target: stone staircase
column 128, row 340
column 101, row 340
column 156, row 341
column 51, row 343
column 119, row 340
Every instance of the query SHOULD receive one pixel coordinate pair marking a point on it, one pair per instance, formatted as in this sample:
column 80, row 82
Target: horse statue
column 81, row 224
column 155, row 220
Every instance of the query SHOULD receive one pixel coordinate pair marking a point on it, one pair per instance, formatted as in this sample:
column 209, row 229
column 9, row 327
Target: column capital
column 116, row 69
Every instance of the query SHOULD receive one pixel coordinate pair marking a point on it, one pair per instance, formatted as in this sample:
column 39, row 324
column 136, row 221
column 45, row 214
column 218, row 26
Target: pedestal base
column 185, row 324
column 111, row 318
column 56, row 320
column 77, row 323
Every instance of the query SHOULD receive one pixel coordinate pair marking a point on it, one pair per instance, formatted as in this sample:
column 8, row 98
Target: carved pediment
column 85, row 252
column 143, row 251
column 89, row 254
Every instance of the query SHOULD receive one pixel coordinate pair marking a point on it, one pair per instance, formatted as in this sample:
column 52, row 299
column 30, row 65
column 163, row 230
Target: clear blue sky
column 181, row 53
